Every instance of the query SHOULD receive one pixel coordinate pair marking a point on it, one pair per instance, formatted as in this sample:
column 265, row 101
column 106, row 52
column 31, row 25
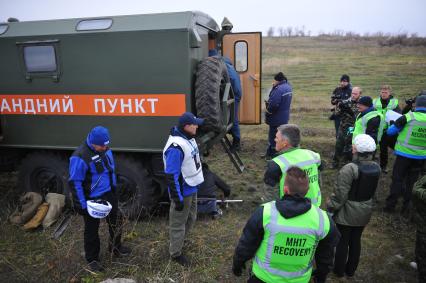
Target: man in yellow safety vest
column 287, row 140
column 286, row 236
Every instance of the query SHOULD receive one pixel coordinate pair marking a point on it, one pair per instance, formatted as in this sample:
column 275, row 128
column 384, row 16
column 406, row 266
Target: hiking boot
column 121, row 251
column 182, row 260
column 236, row 145
column 217, row 213
column 95, row 266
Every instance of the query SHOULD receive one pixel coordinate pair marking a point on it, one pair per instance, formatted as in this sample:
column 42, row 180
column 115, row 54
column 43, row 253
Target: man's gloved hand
column 238, row 270
column 178, row 205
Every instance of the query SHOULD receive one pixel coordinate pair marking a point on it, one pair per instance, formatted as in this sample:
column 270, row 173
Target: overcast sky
column 360, row 16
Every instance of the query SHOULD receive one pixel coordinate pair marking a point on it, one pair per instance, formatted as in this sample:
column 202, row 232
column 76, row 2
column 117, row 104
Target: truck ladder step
column 233, row 155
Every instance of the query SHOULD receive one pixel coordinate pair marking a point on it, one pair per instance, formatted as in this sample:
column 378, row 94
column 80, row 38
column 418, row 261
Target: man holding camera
column 347, row 111
column 342, row 92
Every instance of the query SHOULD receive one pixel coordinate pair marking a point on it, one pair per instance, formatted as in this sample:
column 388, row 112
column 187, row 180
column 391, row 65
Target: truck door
column 244, row 50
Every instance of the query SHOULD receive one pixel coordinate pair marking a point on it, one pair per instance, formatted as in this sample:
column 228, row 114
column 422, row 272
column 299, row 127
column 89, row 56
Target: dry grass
column 313, row 67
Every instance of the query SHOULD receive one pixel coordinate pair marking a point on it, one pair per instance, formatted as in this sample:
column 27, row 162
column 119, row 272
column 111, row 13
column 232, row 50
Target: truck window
column 3, row 28
column 40, row 58
column 95, row 24
column 241, row 57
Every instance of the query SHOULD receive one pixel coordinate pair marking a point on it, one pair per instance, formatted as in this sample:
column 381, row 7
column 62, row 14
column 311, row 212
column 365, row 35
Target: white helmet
column 364, row 143
column 98, row 208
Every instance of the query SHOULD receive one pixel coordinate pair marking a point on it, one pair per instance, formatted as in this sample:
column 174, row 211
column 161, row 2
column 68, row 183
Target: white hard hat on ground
column 364, row 143
column 98, row 208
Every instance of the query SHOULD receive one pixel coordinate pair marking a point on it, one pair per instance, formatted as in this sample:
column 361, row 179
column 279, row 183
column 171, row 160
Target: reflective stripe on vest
column 314, row 193
column 405, row 138
column 273, row 228
column 361, row 124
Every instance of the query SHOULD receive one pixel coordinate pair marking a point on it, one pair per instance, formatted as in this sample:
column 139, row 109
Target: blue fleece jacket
column 178, row 188
column 235, row 79
column 82, row 166
column 278, row 108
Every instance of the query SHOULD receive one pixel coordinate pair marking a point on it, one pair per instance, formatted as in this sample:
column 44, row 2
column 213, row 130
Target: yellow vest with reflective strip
column 307, row 160
column 412, row 139
column 377, row 103
column 287, row 251
column 361, row 124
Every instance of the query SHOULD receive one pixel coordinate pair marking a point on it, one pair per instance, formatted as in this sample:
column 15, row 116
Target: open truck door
column 244, row 50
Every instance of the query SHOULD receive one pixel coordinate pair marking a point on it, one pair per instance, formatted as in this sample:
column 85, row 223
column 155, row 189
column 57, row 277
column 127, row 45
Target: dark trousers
column 271, row 141
column 421, row 255
column 336, row 124
column 404, row 175
column 235, row 130
column 91, row 226
column 385, row 143
column 348, row 250
column 343, row 146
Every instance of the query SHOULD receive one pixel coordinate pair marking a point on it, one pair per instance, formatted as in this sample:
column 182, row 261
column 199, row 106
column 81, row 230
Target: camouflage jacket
column 347, row 111
column 419, row 201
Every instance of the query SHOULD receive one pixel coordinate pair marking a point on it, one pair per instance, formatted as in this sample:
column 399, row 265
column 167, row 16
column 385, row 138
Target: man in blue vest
column 285, row 236
column 182, row 166
column 92, row 176
column 410, row 151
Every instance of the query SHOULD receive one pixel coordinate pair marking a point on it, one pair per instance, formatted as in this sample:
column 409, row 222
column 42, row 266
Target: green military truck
column 132, row 74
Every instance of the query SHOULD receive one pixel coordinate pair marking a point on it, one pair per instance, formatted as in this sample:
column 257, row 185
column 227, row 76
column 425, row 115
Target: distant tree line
column 383, row 39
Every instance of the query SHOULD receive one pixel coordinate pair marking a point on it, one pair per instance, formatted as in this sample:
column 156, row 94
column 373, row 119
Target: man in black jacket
column 340, row 93
column 256, row 235
column 207, row 192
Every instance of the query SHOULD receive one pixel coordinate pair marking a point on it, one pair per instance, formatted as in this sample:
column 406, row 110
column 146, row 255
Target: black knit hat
column 280, row 77
column 366, row 100
column 345, row 78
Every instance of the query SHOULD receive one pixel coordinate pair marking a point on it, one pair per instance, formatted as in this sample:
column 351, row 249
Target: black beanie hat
column 280, row 77
column 345, row 78
column 366, row 100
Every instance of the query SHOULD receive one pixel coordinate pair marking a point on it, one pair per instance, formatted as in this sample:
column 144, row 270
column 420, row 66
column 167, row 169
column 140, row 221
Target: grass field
column 313, row 66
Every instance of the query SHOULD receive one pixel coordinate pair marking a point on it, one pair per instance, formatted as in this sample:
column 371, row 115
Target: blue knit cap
column 99, row 136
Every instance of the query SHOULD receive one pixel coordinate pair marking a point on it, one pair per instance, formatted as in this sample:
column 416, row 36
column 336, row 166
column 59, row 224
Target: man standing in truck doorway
column 183, row 170
column 93, row 185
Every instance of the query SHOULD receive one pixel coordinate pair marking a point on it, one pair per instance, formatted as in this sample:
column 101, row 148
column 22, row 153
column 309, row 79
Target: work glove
column 238, row 270
column 178, row 205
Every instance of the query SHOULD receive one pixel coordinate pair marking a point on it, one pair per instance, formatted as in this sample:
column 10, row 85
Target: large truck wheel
column 136, row 194
column 44, row 172
column 211, row 77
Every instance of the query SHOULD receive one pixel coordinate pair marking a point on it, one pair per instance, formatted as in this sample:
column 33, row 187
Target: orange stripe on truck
column 93, row 104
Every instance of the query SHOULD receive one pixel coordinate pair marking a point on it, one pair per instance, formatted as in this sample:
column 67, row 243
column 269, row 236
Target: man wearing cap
column 410, row 151
column 352, row 203
column 383, row 104
column 277, row 110
column 340, row 93
column 92, row 177
column 183, row 170
column 347, row 110
column 368, row 120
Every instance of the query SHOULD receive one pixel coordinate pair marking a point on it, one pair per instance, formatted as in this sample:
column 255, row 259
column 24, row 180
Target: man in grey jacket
column 352, row 203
